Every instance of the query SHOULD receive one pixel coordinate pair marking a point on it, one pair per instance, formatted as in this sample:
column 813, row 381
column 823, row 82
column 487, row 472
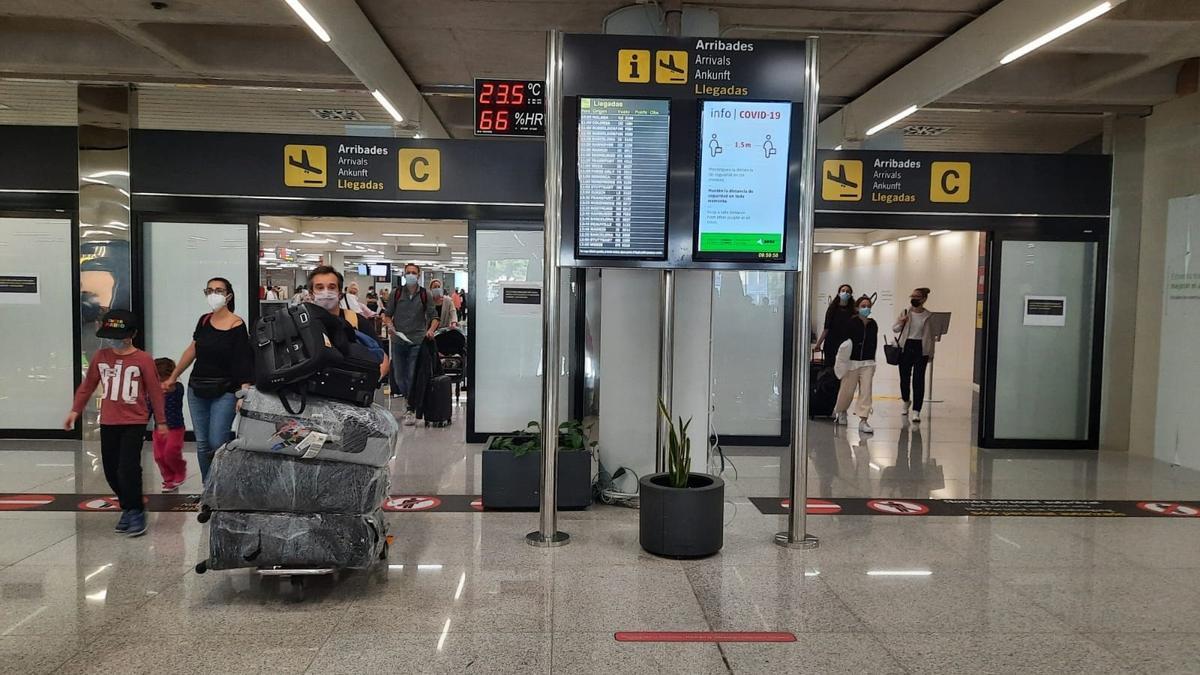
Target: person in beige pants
column 863, row 334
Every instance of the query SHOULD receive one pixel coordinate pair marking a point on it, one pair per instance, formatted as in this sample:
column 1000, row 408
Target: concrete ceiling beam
column 970, row 53
column 358, row 44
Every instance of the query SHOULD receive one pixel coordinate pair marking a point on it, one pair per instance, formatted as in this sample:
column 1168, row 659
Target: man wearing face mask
column 411, row 318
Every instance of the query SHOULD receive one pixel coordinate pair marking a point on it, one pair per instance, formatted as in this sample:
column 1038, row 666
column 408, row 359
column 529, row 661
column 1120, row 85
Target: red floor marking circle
column 896, row 507
column 477, row 504
column 816, row 507
column 101, row 504
column 1170, row 509
column 21, row 502
column 411, row 503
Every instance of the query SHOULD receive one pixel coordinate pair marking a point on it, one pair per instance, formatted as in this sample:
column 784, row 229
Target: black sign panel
column 964, row 183
column 18, row 284
column 652, row 66
column 510, row 107
column 39, row 159
column 746, row 77
column 522, row 296
column 337, row 168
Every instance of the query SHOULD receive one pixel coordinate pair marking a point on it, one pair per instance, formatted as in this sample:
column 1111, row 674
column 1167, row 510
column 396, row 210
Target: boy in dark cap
column 128, row 379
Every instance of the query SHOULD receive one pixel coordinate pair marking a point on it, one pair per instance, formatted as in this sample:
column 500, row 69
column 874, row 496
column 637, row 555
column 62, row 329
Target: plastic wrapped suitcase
column 326, row 429
column 255, row 481
column 301, row 540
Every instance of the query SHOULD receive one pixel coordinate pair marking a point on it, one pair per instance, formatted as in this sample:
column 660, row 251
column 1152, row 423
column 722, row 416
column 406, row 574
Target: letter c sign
column 420, row 169
column 950, row 182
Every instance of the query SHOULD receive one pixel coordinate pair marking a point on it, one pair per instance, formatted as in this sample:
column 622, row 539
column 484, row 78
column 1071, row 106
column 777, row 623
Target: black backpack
column 290, row 345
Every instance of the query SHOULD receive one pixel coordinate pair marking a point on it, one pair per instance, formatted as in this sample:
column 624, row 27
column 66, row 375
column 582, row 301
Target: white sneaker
column 907, row 407
column 916, row 417
column 410, row 419
column 840, row 418
column 864, row 428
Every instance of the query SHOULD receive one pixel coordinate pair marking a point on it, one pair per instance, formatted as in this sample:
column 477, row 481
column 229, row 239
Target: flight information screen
column 623, row 148
column 742, row 201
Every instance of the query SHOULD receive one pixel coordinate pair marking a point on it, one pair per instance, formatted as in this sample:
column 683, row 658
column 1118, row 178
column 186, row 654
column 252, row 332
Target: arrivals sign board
column 681, row 152
column 341, row 168
column 950, row 183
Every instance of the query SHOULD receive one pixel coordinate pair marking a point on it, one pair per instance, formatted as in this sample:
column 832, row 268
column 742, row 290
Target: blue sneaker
column 137, row 523
column 122, row 524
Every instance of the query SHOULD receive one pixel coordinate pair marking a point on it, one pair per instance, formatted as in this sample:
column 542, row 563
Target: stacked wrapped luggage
column 301, row 484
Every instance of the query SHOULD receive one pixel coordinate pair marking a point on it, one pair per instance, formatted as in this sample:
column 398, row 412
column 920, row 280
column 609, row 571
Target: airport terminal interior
column 922, row 266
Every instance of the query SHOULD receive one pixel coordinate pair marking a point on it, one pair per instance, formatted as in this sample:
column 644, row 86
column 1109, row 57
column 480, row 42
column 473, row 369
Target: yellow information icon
column 842, row 180
column 671, row 66
column 420, row 169
column 950, row 182
column 305, row 166
column 633, row 65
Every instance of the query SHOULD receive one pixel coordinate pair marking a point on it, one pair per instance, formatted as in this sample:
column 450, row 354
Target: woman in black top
column 837, row 315
column 224, row 362
column 863, row 334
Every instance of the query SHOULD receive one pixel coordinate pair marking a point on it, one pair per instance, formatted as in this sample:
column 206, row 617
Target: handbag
column 892, row 352
column 211, row 387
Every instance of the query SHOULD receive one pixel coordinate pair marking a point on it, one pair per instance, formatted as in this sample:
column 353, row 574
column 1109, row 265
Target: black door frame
column 996, row 228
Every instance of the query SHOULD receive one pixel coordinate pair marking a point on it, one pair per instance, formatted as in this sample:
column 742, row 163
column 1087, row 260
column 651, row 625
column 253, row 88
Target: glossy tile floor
column 463, row 593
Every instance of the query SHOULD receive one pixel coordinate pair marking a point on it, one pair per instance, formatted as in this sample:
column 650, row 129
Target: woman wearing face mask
column 447, row 315
column 863, row 334
column 917, row 342
column 837, row 315
column 224, row 361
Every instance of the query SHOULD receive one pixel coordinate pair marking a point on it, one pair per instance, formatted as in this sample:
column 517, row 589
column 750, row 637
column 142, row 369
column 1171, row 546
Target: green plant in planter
column 679, row 449
column 572, row 437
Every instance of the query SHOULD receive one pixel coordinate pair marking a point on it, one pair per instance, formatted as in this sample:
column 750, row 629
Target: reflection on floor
column 464, row 593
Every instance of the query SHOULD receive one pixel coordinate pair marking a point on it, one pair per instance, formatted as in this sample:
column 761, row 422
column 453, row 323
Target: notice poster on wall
column 742, row 204
column 19, row 289
column 1045, row 310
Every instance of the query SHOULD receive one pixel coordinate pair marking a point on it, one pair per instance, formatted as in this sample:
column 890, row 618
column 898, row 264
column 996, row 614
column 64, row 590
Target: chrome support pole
column 666, row 361
column 797, row 535
column 547, row 534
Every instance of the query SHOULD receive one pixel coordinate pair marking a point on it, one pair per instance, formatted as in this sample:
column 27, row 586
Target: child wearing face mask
column 863, row 334
column 129, row 392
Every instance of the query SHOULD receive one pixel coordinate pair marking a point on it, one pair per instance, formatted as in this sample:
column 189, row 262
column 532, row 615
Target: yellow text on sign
column 633, row 65
column 841, row 180
column 950, row 182
column 979, row 314
column 420, row 169
column 671, row 66
column 305, row 166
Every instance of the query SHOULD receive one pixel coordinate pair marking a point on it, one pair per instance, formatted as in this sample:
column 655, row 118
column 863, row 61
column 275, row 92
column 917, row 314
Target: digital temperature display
column 510, row 108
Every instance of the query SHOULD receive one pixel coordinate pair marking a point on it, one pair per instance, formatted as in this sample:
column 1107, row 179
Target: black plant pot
column 682, row 522
column 511, row 482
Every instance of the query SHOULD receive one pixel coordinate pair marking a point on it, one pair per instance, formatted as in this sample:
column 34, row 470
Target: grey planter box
column 515, row 482
column 682, row 522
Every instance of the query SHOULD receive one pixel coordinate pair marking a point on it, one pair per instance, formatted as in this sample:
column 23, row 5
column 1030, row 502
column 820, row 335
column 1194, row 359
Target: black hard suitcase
column 351, row 386
column 823, row 387
column 304, row 540
column 439, row 401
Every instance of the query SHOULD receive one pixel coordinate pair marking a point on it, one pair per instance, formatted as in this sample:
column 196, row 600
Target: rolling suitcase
column 823, row 388
column 439, row 401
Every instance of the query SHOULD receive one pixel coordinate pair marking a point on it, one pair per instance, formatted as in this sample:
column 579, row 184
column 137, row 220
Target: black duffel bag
column 291, row 345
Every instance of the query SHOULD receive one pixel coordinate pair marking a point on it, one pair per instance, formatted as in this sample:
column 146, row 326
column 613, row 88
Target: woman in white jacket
column 916, row 339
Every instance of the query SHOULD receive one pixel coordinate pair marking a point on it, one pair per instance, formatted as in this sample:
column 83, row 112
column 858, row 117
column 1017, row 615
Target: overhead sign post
column 670, row 153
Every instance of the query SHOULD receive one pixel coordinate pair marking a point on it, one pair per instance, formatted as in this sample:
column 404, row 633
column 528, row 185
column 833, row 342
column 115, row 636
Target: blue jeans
column 212, row 420
column 404, row 364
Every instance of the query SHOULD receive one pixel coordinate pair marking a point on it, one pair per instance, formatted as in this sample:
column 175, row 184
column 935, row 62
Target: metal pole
column 797, row 535
column 666, row 361
column 548, row 535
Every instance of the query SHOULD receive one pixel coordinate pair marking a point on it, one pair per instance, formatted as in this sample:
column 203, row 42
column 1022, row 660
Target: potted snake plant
column 682, row 513
column 512, row 466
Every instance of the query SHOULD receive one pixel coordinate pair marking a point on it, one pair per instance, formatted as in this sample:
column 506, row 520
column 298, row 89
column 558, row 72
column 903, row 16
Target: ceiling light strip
column 892, row 120
column 1062, row 30
column 309, row 20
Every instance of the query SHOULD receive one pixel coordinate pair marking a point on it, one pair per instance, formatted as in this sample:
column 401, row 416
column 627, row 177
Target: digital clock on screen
column 510, row 107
